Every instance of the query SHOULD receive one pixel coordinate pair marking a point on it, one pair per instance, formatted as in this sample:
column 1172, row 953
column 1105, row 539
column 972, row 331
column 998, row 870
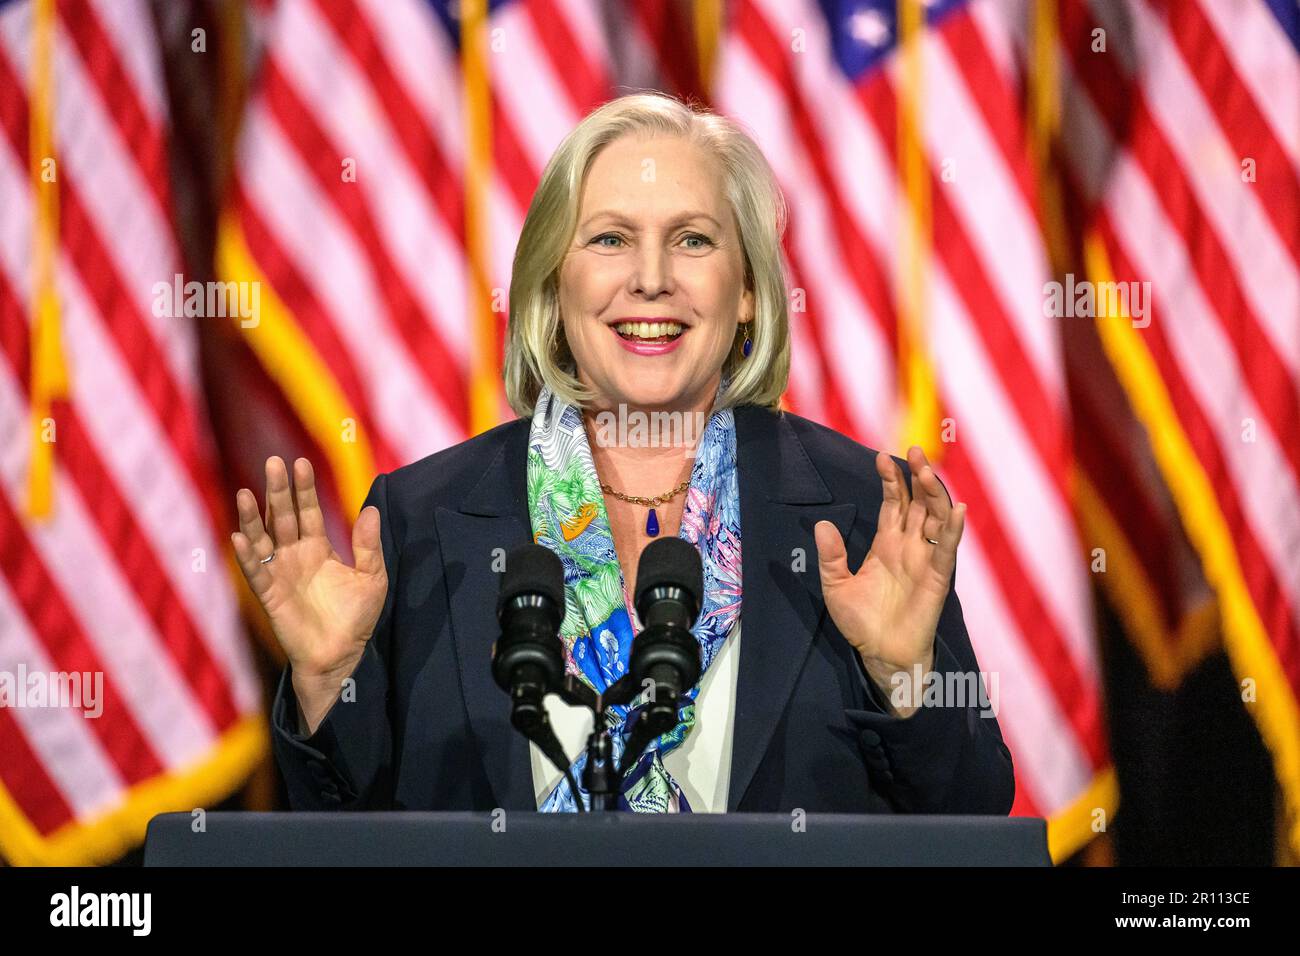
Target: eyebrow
column 620, row 218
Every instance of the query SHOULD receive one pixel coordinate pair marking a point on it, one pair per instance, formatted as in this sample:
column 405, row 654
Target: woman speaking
column 647, row 291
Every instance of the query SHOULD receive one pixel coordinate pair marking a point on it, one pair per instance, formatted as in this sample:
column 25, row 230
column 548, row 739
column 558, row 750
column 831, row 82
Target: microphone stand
column 658, row 654
column 600, row 777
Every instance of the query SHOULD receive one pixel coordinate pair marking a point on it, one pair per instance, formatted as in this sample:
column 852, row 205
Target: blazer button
column 870, row 739
column 877, row 760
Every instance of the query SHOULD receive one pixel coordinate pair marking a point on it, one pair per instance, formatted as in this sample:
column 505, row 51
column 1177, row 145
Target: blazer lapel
column 781, row 498
column 493, row 515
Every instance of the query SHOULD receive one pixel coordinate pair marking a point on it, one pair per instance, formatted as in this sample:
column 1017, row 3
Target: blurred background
column 1056, row 242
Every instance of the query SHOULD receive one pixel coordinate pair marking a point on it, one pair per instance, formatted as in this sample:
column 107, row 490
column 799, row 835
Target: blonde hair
column 536, row 350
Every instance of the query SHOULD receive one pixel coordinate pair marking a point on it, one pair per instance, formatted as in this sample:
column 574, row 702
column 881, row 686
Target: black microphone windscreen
column 532, row 569
column 670, row 561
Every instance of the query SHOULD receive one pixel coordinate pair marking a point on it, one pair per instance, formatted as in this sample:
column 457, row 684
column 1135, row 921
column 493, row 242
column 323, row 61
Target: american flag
column 109, row 555
column 1180, row 126
column 823, row 86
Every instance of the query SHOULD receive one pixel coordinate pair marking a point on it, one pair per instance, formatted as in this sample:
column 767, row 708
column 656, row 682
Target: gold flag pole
column 49, row 374
column 485, row 367
column 920, row 425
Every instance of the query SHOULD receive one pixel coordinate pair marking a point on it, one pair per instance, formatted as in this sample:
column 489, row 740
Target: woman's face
column 656, row 242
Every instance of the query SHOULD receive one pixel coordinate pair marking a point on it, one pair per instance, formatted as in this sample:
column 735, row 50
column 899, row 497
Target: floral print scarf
column 567, row 511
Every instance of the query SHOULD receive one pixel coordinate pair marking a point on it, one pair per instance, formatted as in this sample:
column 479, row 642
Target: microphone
column 669, row 589
column 528, row 659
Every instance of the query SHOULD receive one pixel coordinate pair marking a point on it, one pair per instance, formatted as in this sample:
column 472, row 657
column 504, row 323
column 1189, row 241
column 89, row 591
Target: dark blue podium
column 611, row 839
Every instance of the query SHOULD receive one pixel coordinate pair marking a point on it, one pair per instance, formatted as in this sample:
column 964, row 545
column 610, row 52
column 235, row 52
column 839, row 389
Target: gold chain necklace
column 652, row 519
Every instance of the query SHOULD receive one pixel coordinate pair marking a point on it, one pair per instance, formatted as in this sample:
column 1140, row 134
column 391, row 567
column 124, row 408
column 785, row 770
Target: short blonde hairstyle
column 536, row 350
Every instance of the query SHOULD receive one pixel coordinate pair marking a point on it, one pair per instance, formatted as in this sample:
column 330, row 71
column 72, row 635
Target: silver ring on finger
column 268, row 559
column 929, row 540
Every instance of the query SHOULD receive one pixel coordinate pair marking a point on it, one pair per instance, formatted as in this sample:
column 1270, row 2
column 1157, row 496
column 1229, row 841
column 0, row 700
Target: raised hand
column 321, row 610
column 890, row 608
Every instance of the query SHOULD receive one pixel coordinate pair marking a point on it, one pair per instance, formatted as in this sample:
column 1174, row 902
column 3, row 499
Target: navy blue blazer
column 429, row 729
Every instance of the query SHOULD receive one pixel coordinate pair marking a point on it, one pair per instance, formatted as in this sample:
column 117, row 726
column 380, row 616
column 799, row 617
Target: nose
column 652, row 271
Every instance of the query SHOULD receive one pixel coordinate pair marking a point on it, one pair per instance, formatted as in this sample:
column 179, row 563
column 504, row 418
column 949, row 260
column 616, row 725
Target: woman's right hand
column 322, row 611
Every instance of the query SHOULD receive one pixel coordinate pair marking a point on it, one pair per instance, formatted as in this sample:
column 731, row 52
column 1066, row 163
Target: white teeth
column 648, row 330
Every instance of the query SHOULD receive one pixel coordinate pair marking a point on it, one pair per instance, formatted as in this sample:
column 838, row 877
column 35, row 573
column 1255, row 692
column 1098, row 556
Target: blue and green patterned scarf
column 567, row 509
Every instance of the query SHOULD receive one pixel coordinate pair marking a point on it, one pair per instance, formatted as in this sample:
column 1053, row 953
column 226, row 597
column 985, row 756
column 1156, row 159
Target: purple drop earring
column 748, row 346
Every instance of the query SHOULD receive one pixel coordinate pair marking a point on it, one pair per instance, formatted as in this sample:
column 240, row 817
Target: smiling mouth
column 649, row 332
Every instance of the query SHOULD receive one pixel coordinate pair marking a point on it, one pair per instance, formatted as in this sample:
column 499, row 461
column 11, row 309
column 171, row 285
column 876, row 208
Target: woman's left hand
column 889, row 610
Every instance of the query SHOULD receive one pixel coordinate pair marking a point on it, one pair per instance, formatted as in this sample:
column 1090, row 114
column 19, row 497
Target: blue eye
column 695, row 235
column 606, row 235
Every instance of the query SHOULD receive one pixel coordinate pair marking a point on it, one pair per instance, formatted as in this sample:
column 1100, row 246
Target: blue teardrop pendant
column 652, row 524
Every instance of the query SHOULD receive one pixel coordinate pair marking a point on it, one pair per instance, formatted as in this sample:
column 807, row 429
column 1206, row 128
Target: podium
column 522, row 838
